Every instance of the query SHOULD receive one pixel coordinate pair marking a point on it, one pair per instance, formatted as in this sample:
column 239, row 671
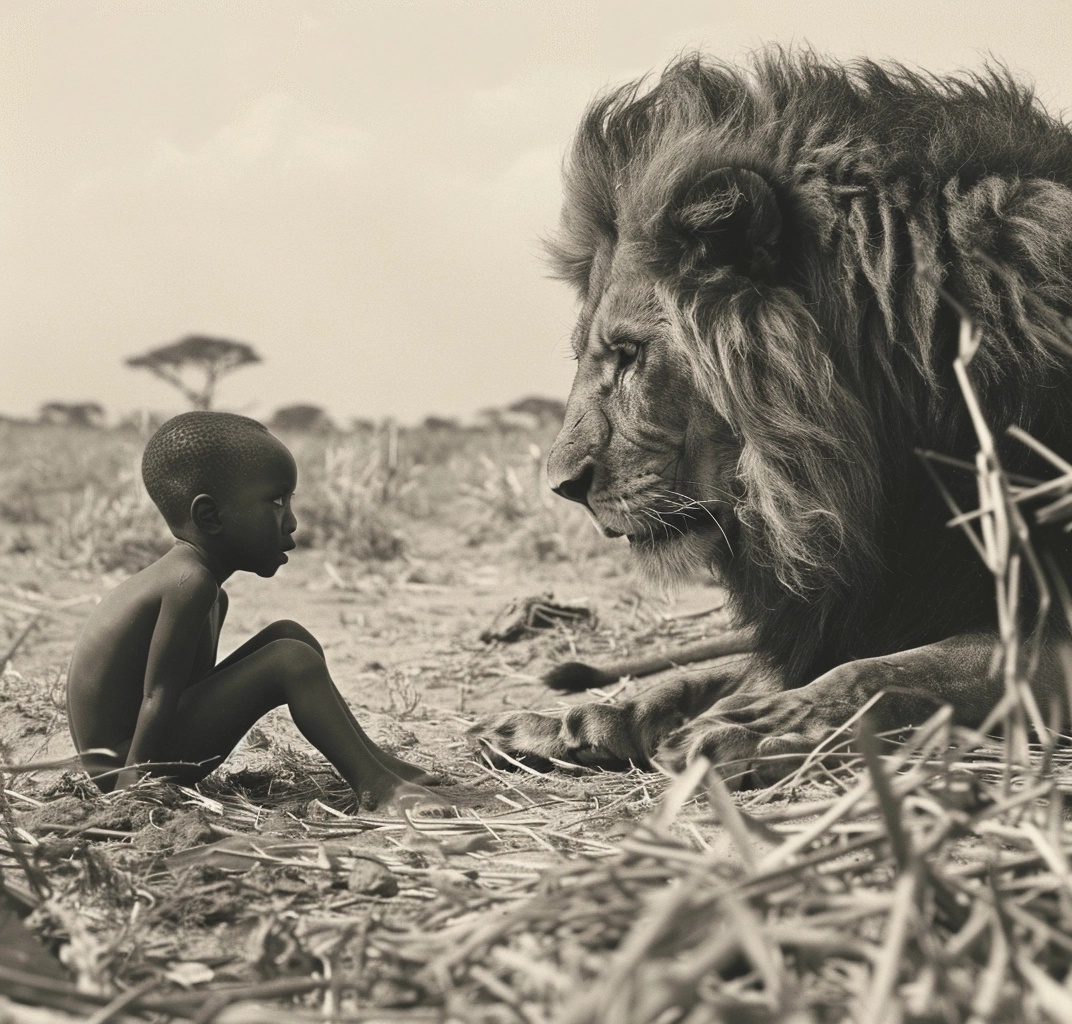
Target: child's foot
column 395, row 793
column 412, row 772
column 417, row 799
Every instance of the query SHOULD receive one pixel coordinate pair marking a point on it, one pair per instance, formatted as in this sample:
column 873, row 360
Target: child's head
column 243, row 476
column 197, row 453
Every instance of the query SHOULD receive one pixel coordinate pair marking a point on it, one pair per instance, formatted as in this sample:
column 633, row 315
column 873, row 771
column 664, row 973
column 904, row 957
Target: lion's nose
column 576, row 488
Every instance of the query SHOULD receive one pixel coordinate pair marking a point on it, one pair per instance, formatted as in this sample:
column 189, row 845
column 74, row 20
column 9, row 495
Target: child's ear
column 205, row 514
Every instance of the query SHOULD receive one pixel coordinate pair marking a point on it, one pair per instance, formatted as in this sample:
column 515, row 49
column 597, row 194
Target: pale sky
column 357, row 189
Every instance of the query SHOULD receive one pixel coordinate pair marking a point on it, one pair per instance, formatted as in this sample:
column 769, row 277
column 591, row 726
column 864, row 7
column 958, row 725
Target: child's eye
column 280, row 501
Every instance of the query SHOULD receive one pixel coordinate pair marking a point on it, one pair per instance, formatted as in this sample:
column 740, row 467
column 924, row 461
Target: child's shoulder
column 178, row 573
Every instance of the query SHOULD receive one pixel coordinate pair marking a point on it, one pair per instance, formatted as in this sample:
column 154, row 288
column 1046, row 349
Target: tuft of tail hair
column 575, row 676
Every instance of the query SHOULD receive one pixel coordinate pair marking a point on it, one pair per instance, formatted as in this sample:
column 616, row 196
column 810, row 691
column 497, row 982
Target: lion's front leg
column 611, row 736
column 757, row 737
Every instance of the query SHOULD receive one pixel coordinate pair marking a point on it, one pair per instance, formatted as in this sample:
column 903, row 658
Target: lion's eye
column 626, row 351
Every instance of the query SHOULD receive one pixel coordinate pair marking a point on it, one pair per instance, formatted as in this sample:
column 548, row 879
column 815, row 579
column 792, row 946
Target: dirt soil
column 245, row 881
column 402, row 638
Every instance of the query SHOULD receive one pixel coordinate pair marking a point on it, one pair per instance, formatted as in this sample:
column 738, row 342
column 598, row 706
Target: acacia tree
column 201, row 358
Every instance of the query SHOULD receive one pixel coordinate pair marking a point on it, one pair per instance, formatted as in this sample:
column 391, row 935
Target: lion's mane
column 826, row 352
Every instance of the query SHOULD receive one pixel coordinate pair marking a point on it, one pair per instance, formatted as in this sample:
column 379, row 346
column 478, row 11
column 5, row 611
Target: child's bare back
column 106, row 682
column 144, row 683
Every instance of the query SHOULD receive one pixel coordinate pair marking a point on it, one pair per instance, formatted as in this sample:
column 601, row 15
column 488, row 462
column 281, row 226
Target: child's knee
column 293, row 658
column 288, row 629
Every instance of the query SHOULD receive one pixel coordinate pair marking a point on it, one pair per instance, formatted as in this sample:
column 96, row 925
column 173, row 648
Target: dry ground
column 402, row 639
column 925, row 884
column 135, row 889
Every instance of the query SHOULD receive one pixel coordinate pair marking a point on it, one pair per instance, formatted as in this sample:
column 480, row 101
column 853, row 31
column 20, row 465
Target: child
column 144, row 682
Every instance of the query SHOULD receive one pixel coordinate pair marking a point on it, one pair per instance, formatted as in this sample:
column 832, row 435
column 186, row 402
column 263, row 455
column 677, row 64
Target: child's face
column 255, row 512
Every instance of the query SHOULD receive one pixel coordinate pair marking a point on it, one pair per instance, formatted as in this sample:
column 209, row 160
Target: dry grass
column 264, row 875
column 931, row 885
column 74, row 495
column 923, row 882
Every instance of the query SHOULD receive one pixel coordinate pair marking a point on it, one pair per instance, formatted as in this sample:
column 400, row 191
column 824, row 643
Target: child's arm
column 184, row 610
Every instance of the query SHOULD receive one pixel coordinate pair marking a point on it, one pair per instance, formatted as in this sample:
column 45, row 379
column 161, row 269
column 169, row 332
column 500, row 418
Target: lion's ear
column 729, row 217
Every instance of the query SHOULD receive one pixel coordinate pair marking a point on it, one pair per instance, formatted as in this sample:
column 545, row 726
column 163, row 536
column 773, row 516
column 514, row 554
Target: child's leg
column 286, row 629
column 282, row 629
column 104, row 769
column 404, row 769
column 214, row 714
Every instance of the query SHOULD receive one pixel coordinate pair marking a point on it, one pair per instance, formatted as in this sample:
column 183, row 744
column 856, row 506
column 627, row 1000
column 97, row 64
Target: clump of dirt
column 171, row 830
column 523, row 616
column 152, row 826
column 73, row 814
column 372, row 878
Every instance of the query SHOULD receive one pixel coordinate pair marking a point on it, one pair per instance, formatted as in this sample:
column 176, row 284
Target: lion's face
column 710, row 418
column 644, row 445
column 639, row 446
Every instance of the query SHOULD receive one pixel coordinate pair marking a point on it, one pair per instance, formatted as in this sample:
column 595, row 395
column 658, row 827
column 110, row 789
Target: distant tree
column 204, row 359
column 439, row 423
column 546, row 410
column 301, row 416
column 72, row 414
column 505, row 420
column 362, row 425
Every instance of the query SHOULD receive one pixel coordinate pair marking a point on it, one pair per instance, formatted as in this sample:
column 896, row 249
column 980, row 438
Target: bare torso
column 106, row 680
column 145, row 696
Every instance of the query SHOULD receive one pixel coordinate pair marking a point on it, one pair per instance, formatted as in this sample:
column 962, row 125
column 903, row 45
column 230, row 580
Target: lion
column 760, row 362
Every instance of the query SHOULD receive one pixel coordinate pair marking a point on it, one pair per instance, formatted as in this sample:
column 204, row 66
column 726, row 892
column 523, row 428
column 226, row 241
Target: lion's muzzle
column 576, row 487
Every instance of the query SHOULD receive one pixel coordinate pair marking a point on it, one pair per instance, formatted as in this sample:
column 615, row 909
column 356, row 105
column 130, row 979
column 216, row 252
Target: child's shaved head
column 195, row 453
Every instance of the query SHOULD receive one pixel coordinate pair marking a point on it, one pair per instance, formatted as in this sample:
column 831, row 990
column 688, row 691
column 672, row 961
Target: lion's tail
column 574, row 676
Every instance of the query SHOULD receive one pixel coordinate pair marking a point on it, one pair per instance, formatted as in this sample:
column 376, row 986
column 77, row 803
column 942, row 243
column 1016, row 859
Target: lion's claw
column 750, row 738
column 518, row 737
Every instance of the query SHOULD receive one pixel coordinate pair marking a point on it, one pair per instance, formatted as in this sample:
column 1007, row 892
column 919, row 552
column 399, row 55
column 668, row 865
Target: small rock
column 371, row 878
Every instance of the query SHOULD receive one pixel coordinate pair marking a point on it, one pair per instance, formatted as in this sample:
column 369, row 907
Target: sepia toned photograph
column 535, row 513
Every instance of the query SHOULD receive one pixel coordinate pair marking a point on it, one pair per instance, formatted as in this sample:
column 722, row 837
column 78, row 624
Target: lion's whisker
column 653, row 514
column 696, row 503
column 725, row 496
column 690, row 502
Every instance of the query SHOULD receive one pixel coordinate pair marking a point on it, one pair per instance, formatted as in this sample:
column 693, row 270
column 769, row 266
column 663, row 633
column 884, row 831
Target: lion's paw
column 594, row 735
column 752, row 739
column 526, row 737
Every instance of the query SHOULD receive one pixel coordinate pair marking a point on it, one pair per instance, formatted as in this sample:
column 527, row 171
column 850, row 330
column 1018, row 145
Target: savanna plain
column 923, row 882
